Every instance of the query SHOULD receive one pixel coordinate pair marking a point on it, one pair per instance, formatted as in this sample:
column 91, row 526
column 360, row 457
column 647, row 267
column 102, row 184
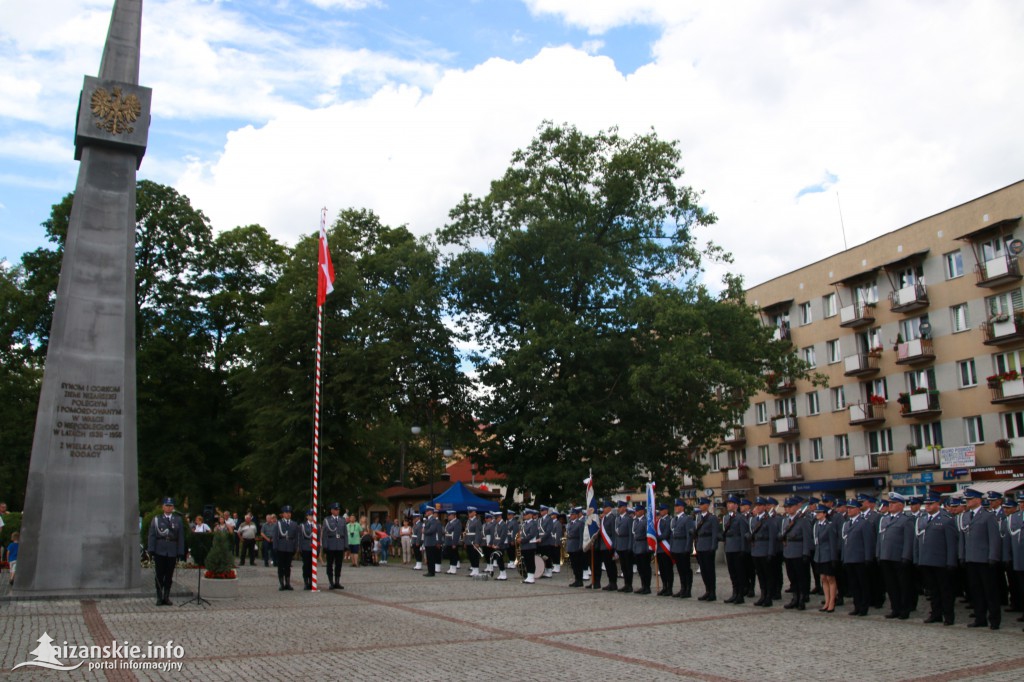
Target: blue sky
column 265, row 111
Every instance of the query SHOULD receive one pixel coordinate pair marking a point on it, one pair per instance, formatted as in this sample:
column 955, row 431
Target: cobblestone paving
column 391, row 623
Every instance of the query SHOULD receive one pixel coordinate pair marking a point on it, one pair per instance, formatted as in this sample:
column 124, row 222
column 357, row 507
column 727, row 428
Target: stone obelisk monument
column 80, row 530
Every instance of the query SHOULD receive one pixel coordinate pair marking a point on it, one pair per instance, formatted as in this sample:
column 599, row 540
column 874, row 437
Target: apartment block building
column 920, row 333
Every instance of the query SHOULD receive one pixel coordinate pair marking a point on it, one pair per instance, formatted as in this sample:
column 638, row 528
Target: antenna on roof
column 841, row 225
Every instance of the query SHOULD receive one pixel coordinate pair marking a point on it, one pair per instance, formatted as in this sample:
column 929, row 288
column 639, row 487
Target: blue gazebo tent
column 458, row 498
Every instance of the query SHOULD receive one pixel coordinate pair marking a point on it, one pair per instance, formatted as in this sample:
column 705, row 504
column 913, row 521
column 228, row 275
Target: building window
column 828, row 303
column 805, row 313
column 911, row 329
column 1007, row 362
column 761, row 410
column 866, row 293
column 968, row 374
column 923, row 435
column 838, row 398
column 817, row 451
column 880, row 441
column 842, row 446
column 959, row 314
column 834, row 351
column 764, row 455
column 789, row 453
column 954, row 264
column 973, row 430
column 813, row 407
column 877, row 387
column 713, row 462
column 809, row 357
column 1004, row 304
column 1013, row 424
column 785, row 407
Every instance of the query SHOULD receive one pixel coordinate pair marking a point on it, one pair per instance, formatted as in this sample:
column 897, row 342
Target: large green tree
column 388, row 361
column 578, row 277
column 195, row 296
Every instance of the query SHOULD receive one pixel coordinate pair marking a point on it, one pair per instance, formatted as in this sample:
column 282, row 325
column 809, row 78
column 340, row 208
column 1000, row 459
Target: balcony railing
column 870, row 464
column 856, row 315
column 909, row 298
column 914, row 352
column 735, row 437
column 1003, row 329
column 922, row 458
column 861, row 364
column 781, row 333
column 737, row 478
column 921, row 405
column 1009, row 391
column 1010, row 450
column 789, row 471
column 998, row 271
column 866, row 413
column 784, row 426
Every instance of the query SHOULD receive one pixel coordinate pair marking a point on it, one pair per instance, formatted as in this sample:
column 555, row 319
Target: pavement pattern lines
column 390, row 622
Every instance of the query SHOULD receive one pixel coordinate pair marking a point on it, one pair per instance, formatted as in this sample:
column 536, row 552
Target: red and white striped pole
column 325, row 285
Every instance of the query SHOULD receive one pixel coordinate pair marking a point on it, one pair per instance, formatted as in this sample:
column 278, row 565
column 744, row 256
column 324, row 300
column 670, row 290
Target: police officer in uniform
column 284, row 535
column 858, row 549
column 473, row 541
column 605, row 547
column 432, row 532
column 681, row 546
column 664, row 558
column 306, row 548
column 624, row 545
column 334, row 540
column 574, row 545
column 983, row 551
column 500, row 544
column 936, row 545
column 707, row 534
column 488, row 543
column 826, row 554
column 895, row 548
column 512, row 526
column 452, row 538
column 797, row 547
column 529, row 535
column 641, row 550
column 746, row 507
column 551, row 541
column 764, row 537
column 166, row 543
column 736, row 537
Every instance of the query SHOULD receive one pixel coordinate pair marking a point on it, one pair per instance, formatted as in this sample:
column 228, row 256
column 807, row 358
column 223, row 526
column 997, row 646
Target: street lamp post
column 446, row 452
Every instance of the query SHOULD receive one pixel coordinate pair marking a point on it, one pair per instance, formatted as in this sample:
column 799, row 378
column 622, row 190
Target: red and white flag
column 325, row 271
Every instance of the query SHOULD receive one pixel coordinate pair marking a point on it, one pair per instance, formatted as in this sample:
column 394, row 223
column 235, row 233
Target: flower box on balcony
column 919, row 402
column 1013, row 387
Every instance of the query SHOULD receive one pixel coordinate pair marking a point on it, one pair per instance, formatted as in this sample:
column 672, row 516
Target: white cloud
column 597, row 16
column 345, row 4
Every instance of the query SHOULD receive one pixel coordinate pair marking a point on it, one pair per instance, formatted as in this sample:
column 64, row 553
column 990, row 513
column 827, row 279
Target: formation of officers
column 870, row 551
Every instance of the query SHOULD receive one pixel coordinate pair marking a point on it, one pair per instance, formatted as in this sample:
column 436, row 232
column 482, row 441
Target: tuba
column 520, row 566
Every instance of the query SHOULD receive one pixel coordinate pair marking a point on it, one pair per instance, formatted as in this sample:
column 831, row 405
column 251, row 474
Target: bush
column 12, row 524
column 219, row 561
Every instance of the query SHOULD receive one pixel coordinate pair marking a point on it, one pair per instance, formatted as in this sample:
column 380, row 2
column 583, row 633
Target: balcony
column 788, row 472
column 735, row 437
column 736, row 479
column 915, row 352
column 920, row 405
column 861, row 364
column 781, row 333
column 780, row 385
column 857, row 315
column 785, row 426
column 1003, row 329
column 922, row 458
column 871, row 464
column 998, row 271
column 1011, row 450
column 1006, row 391
column 867, row 414
column 909, row 298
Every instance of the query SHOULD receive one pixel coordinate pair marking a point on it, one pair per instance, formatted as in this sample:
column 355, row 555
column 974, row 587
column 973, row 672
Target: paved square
column 391, row 623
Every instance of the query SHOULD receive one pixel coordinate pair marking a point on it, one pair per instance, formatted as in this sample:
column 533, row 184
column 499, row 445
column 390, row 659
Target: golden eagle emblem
column 115, row 112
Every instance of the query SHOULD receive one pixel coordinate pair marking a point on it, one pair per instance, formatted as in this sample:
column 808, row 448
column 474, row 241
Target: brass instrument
column 563, row 554
column 520, row 566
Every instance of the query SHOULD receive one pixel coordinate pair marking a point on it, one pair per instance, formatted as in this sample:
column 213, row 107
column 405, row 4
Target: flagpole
column 316, row 403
